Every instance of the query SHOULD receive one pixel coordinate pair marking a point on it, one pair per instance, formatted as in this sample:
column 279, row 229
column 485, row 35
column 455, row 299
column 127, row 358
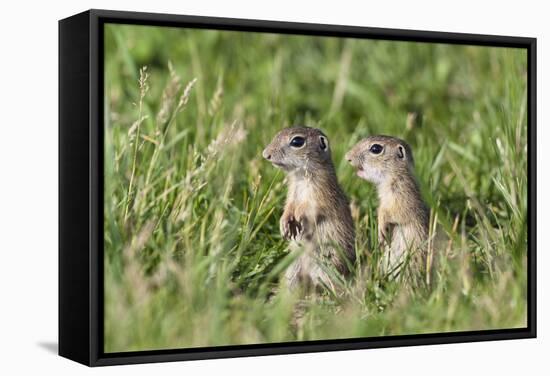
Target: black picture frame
column 81, row 187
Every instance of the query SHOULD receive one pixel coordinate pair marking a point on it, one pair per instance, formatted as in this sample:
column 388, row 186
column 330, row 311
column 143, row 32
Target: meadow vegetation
column 192, row 249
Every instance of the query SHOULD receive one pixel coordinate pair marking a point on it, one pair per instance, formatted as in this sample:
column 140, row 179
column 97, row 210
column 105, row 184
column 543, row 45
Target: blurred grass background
column 193, row 252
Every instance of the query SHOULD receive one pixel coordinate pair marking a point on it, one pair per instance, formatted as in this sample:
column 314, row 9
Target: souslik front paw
column 291, row 228
column 384, row 234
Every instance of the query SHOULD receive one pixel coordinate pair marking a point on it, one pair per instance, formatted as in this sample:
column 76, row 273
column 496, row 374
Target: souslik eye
column 297, row 142
column 376, row 149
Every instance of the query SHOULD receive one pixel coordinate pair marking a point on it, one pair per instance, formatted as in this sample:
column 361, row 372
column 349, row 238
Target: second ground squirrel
column 403, row 217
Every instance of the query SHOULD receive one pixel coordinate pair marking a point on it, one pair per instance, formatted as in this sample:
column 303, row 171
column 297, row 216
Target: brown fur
column 316, row 218
column 403, row 217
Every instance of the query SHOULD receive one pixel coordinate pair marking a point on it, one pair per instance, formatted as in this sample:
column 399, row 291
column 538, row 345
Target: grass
column 193, row 253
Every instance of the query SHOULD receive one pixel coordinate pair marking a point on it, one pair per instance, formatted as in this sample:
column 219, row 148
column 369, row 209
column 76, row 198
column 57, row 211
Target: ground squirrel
column 317, row 217
column 403, row 217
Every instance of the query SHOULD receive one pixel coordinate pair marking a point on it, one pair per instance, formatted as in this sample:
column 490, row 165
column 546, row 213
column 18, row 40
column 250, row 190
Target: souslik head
column 298, row 148
column 379, row 157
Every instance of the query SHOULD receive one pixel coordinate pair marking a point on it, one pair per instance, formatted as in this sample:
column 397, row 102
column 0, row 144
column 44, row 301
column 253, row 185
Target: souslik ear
column 323, row 143
column 404, row 153
column 401, row 152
